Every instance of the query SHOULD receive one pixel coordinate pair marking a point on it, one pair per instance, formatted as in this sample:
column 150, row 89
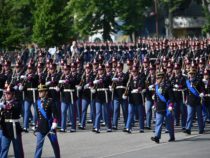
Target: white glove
column 160, row 90
column 20, row 87
column 115, row 79
column 79, row 87
column 176, row 86
column 151, row 87
column 111, row 89
column 93, row 90
column 143, row 91
column 205, row 81
column 153, row 107
column 57, row 89
column 48, row 83
column 153, row 97
column 170, row 108
column 23, row 77
column 96, row 81
column 124, row 96
column 15, row 87
column 54, row 126
column 86, row 86
column 61, row 81
column 201, row 95
column 135, row 91
column 2, row 105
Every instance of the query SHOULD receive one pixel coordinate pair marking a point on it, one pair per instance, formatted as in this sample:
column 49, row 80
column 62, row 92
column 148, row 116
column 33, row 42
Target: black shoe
column 171, row 139
column 109, row 130
column 62, row 130
column 72, row 130
column 141, row 131
column 187, row 131
column 201, row 132
column 155, row 139
column 183, row 128
column 148, row 128
column 114, row 128
column 166, row 131
column 82, row 128
column 97, row 130
column 25, row 130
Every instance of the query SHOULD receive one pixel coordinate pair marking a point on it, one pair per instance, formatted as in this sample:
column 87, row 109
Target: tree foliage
column 51, row 23
column 15, row 22
column 94, row 16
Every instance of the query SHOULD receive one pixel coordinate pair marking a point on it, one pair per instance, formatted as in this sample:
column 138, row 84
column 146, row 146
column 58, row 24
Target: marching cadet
column 68, row 82
column 46, row 122
column 119, row 81
column 179, row 85
column 102, row 83
column 78, row 91
column 86, row 82
column 11, row 110
column 149, row 101
column 164, row 105
column 206, row 100
column 136, row 99
column 7, row 71
column 29, row 86
column 41, row 73
column 52, row 81
column 195, row 94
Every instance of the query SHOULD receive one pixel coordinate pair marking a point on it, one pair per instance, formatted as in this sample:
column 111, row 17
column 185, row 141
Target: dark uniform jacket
column 119, row 90
column 11, row 111
column 43, row 124
column 137, row 83
column 191, row 98
column 165, row 90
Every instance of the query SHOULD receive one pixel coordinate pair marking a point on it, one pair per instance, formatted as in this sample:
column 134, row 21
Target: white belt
column 178, row 90
column 68, row 90
column 71, row 94
column 134, row 92
column 102, row 89
column 34, row 94
column 13, row 121
column 207, row 95
column 52, row 88
column 31, row 89
column 106, row 93
column 120, row 87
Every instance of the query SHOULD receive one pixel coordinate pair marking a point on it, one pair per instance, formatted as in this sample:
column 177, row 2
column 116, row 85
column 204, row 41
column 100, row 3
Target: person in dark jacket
column 11, row 110
column 46, row 122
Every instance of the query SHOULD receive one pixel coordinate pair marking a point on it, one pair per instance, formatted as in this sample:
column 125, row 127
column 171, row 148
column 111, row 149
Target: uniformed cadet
column 52, row 79
column 86, row 82
column 102, row 99
column 136, row 99
column 206, row 99
column 195, row 95
column 29, row 86
column 11, row 110
column 178, row 82
column 149, row 101
column 164, row 105
column 46, row 122
column 119, row 81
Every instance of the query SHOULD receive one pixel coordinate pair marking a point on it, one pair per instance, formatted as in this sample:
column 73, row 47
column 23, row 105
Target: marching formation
column 167, row 77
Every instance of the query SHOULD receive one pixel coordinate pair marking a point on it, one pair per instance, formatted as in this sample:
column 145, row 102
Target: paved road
column 86, row 144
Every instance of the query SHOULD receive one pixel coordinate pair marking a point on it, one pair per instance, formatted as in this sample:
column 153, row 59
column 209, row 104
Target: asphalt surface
column 117, row 144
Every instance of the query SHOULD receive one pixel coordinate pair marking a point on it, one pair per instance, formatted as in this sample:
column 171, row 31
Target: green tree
column 94, row 16
column 206, row 6
column 52, row 25
column 132, row 14
column 15, row 22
